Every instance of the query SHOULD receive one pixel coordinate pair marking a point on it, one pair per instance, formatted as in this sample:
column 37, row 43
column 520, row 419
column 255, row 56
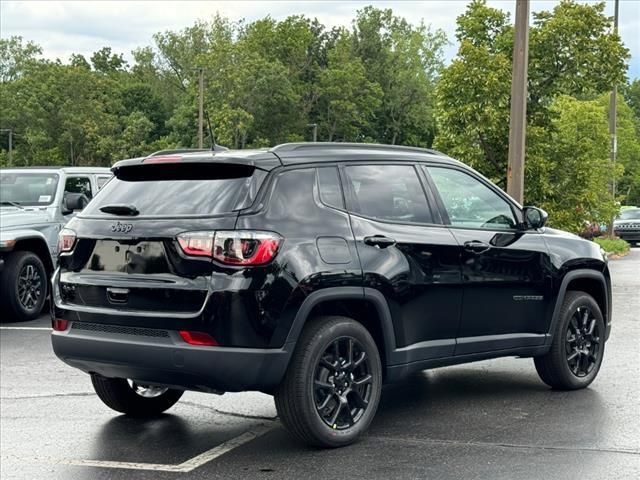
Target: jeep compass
column 316, row 273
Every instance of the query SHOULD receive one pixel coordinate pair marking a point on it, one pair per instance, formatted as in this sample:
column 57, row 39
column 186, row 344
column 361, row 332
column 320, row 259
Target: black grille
column 137, row 331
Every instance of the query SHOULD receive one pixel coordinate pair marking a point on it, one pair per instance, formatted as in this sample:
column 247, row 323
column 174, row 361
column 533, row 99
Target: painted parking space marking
column 186, row 466
column 48, row 329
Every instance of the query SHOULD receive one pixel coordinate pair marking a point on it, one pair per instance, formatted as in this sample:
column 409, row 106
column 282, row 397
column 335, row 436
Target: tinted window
column 169, row 191
column 469, row 202
column 330, row 192
column 388, row 192
column 630, row 214
column 78, row 185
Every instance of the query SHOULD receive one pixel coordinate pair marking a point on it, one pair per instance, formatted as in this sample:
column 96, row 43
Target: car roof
column 294, row 154
column 306, row 152
column 69, row 170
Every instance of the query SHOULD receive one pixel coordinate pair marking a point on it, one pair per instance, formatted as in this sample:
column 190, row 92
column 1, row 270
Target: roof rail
column 290, row 147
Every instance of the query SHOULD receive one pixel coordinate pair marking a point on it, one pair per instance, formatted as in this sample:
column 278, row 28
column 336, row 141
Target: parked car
column 316, row 272
column 35, row 203
column 627, row 225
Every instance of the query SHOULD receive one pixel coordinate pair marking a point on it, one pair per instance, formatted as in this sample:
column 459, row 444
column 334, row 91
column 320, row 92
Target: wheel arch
column 366, row 306
column 37, row 245
column 592, row 282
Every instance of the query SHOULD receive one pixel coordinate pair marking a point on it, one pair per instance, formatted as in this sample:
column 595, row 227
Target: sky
column 65, row 27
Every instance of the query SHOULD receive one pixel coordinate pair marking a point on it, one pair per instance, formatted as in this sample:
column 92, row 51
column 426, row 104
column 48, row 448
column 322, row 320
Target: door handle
column 379, row 241
column 476, row 246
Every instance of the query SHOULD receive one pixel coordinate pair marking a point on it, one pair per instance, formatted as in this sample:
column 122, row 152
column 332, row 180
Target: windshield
column 27, row 189
column 630, row 214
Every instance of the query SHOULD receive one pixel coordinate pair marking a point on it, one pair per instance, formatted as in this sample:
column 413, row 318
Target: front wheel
column 332, row 387
column 135, row 399
column 23, row 286
column 576, row 353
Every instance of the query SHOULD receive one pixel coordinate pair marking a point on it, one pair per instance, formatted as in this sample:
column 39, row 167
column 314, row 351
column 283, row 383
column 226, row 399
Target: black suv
column 316, row 272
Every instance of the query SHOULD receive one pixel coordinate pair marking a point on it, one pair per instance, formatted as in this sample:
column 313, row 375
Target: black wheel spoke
column 340, row 383
column 360, row 359
column 328, row 365
column 325, row 402
column 359, row 401
column 363, row 381
column 336, row 412
column 573, row 355
column 322, row 385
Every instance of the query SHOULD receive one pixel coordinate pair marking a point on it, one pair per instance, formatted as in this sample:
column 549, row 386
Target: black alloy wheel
column 332, row 387
column 342, row 383
column 30, row 286
column 582, row 342
column 577, row 348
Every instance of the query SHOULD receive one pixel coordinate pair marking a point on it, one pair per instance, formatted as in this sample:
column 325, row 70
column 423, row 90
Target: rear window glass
column 169, row 191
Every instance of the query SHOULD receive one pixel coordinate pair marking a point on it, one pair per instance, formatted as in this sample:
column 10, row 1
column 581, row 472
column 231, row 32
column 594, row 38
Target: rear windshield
column 166, row 190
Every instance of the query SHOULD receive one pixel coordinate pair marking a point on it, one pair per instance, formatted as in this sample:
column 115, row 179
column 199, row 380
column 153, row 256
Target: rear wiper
column 13, row 204
column 120, row 209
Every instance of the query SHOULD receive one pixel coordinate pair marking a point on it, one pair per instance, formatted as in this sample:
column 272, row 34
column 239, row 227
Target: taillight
column 232, row 247
column 66, row 240
column 59, row 324
column 199, row 244
column 198, row 338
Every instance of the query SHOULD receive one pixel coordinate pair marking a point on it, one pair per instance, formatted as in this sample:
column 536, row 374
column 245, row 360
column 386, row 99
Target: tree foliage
column 574, row 58
column 381, row 79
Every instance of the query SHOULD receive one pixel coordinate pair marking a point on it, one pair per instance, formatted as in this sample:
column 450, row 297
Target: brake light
column 232, row 247
column 59, row 325
column 198, row 338
column 163, row 159
column 66, row 240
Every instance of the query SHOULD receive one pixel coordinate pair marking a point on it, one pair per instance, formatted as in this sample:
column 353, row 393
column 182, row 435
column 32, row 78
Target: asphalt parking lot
column 488, row 420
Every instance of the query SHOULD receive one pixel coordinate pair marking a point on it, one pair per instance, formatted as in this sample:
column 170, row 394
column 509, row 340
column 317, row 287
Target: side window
column 329, row 182
column 388, row 192
column 101, row 181
column 78, row 185
column 469, row 202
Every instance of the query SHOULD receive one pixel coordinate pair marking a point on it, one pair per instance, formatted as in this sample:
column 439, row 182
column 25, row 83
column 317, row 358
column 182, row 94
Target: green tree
column 104, row 61
column 16, row 56
column 404, row 60
column 348, row 100
column 575, row 165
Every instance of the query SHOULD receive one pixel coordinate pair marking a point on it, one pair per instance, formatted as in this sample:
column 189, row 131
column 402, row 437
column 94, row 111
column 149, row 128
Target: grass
column 616, row 246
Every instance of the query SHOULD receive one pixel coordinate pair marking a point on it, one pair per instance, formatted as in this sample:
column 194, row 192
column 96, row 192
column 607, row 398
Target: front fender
column 9, row 238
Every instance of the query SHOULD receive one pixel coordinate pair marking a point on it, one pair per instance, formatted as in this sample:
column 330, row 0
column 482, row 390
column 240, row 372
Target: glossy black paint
column 429, row 300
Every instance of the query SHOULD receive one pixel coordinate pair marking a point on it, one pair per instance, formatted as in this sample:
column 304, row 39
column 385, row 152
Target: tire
column 579, row 314
column 23, row 286
column 354, row 378
column 120, row 395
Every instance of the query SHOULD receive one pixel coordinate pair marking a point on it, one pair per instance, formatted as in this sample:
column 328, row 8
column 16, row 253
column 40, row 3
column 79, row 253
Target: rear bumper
column 171, row 362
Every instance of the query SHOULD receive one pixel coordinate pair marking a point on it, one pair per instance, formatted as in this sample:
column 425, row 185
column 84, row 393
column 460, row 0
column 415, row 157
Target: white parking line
column 185, row 466
column 48, row 329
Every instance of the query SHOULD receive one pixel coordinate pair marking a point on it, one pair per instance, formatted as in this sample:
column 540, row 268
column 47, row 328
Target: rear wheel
column 135, row 399
column 332, row 387
column 23, row 284
column 575, row 356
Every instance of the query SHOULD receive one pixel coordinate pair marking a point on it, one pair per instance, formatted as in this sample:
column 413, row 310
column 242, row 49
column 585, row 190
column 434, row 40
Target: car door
column 505, row 269
column 406, row 256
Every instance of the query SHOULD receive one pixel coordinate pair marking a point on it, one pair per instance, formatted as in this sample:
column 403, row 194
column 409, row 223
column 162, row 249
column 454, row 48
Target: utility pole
column 518, row 115
column 10, row 158
column 315, row 130
column 200, row 106
column 613, row 114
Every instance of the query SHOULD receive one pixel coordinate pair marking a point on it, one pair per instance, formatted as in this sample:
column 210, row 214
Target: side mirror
column 73, row 202
column 534, row 217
